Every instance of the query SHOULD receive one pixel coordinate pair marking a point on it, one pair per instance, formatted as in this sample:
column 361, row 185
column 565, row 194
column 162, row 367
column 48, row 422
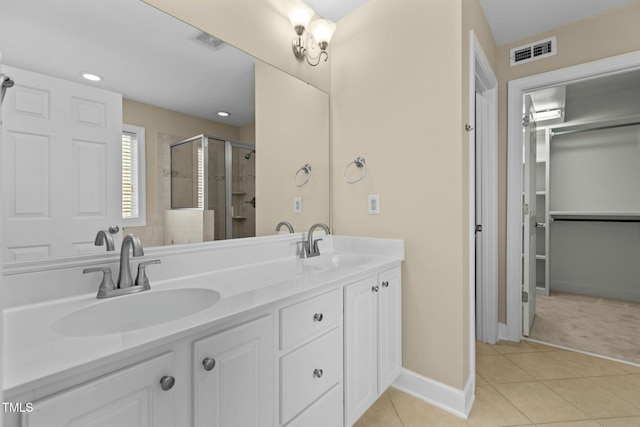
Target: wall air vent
column 533, row 51
column 208, row 40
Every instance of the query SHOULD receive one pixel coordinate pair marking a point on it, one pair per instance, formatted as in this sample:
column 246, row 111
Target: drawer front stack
column 311, row 362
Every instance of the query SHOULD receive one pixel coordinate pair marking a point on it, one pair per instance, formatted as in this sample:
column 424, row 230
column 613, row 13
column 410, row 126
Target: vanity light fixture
column 541, row 116
column 224, row 113
column 315, row 36
column 91, row 76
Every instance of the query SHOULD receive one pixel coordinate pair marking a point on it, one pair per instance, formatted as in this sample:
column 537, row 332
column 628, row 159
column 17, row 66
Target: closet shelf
column 602, row 216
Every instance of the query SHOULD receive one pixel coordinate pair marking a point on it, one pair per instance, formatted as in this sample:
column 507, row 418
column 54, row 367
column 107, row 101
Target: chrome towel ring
column 361, row 164
column 306, row 169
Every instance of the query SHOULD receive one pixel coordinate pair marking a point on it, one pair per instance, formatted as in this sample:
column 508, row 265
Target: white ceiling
column 512, row 20
column 141, row 52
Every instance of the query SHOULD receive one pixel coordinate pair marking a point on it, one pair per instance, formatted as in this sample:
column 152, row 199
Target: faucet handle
column 141, row 278
column 106, row 285
column 315, row 246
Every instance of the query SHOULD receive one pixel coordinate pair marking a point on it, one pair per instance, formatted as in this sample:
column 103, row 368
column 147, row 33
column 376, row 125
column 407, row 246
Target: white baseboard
column 502, row 331
column 455, row 401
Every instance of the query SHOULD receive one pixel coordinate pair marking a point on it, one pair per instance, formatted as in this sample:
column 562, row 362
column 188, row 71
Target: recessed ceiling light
column 91, row 76
column 223, row 114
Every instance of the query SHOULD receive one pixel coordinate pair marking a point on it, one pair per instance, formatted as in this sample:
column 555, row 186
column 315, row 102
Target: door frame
column 516, row 89
column 482, row 80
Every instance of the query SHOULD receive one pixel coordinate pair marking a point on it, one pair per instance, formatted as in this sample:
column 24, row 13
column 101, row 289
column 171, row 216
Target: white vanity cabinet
column 373, row 339
column 138, row 396
column 311, row 357
column 233, row 377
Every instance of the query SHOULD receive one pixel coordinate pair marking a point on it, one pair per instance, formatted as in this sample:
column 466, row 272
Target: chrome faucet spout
column 124, row 276
column 103, row 237
column 284, row 224
column 311, row 247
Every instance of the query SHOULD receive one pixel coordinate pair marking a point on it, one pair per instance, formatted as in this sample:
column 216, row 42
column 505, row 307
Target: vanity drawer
column 325, row 412
column 305, row 319
column 309, row 372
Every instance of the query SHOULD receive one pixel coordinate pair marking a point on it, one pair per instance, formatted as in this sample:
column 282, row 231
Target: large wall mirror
column 164, row 82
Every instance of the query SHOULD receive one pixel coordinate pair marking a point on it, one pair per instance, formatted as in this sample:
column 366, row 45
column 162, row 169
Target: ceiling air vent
column 208, row 40
column 533, row 51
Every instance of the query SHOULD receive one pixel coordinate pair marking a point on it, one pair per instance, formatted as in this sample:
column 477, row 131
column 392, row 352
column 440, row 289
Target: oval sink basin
column 337, row 261
column 135, row 311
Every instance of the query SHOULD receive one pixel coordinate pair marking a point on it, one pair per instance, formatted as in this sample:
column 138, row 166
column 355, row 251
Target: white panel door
column 361, row 347
column 237, row 390
column 62, row 169
column 389, row 328
column 131, row 397
column 529, row 219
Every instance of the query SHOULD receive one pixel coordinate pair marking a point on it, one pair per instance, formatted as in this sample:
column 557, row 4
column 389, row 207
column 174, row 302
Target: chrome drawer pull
column 317, row 373
column 208, row 363
column 318, row 317
column 167, row 383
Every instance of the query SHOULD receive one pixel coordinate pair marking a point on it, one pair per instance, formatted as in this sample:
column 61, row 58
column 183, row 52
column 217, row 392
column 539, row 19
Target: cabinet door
column 238, row 390
column 389, row 328
column 131, row 397
column 360, row 331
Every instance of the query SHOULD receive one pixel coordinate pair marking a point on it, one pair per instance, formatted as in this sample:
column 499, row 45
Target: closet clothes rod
column 588, row 129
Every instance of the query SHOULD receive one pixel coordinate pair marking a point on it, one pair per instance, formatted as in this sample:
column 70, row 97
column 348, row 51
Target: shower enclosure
column 216, row 177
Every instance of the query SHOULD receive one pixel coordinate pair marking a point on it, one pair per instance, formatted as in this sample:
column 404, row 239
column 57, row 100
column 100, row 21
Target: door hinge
column 525, row 121
column 478, row 228
column 525, row 296
column 525, row 209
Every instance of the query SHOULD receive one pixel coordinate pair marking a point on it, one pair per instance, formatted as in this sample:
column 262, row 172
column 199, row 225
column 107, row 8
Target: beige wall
column 292, row 129
column 397, row 101
column 602, row 36
column 260, row 28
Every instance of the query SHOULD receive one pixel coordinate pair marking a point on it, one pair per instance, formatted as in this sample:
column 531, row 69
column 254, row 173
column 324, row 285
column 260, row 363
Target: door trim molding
column 482, row 79
column 516, row 89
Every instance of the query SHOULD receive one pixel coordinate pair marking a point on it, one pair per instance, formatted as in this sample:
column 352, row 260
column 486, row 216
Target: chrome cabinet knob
column 318, row 373
column 167, row 382
column 375, row 288
column 209, row 363
column 318, row 317
column 385, row 284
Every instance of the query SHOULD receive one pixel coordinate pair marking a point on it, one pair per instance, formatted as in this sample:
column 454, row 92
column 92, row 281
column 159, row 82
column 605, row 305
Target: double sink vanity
column 237, row 333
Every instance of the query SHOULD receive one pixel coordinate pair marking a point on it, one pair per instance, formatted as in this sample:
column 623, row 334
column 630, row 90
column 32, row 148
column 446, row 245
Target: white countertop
column 35, row 355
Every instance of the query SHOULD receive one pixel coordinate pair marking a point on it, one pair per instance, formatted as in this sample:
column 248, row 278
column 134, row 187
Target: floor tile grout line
column 393, row 405
column 512, row 404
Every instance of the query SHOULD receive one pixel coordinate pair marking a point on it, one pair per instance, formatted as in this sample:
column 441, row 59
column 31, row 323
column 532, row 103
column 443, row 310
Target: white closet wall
column 596, row 171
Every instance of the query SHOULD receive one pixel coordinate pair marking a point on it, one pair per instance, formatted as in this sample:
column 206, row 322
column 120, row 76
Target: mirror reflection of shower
column 212, row 180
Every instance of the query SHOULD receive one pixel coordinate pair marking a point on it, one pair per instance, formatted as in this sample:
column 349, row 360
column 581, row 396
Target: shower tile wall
column 243, row 190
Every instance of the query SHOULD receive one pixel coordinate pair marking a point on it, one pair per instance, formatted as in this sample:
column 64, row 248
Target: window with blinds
column 133, row 176
column 129, row 175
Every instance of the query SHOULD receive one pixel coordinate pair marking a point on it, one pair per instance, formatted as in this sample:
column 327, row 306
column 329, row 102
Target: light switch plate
column 297, row 205
column 374, row 204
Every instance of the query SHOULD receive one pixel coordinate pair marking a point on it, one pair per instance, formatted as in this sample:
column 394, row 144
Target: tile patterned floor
column 528, row 384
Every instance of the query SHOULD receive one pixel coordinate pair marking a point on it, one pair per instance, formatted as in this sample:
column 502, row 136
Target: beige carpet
column 597, row 325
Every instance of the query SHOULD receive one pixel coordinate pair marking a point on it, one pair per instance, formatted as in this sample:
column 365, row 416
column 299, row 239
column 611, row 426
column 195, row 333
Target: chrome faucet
column 125, row 284
column 103, row 237
column 124, row 276
column 310, row 248
column 284, row 224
